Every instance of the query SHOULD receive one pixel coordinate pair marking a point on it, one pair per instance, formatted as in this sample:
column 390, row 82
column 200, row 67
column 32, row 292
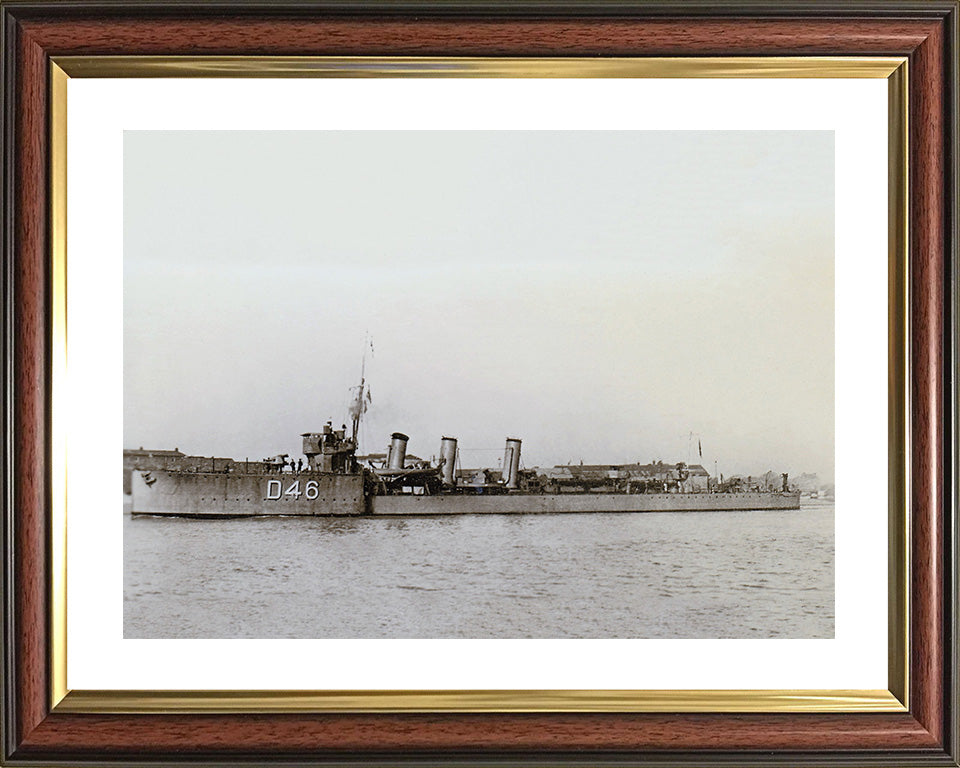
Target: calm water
column 656, row 575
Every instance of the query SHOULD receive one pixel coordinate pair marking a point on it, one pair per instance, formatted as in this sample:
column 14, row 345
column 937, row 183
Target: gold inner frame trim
column 898, row 384
column 432, row 66
column 132, row 702
column 893, row 69
column 58, row 370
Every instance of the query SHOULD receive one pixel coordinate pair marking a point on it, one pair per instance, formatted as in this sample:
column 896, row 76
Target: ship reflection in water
column 731, row 574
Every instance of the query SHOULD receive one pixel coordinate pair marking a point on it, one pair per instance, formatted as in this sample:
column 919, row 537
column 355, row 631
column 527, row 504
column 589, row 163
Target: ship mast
column 359, row 405
column 357, row 409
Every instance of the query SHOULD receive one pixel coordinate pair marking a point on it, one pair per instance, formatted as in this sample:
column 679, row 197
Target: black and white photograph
column 499, row 384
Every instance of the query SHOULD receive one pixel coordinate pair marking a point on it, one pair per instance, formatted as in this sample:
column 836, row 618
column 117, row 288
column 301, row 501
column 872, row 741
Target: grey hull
column 525, row 504
column 207, row 494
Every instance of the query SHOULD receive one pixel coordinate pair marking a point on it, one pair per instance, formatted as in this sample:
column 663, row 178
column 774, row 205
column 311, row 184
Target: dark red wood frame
column 926, row 32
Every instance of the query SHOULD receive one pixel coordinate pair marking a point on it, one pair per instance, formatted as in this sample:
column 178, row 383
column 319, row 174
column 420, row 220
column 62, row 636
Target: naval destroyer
column 333, row 480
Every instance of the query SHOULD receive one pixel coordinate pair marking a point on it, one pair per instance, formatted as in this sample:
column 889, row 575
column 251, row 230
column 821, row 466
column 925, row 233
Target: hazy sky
column 600, row 295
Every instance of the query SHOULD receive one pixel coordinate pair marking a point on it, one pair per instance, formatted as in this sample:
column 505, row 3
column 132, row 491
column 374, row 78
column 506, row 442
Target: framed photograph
column 531, row 383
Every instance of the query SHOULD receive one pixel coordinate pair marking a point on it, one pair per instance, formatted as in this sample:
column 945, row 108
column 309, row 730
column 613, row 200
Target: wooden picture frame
column 41, row 727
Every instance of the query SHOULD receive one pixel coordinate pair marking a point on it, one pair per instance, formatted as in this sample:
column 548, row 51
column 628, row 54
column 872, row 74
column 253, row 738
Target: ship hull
column 207, row 494
column 528, row 504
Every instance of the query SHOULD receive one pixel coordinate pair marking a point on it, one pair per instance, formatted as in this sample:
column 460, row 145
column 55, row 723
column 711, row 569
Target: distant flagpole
column 690, row 435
